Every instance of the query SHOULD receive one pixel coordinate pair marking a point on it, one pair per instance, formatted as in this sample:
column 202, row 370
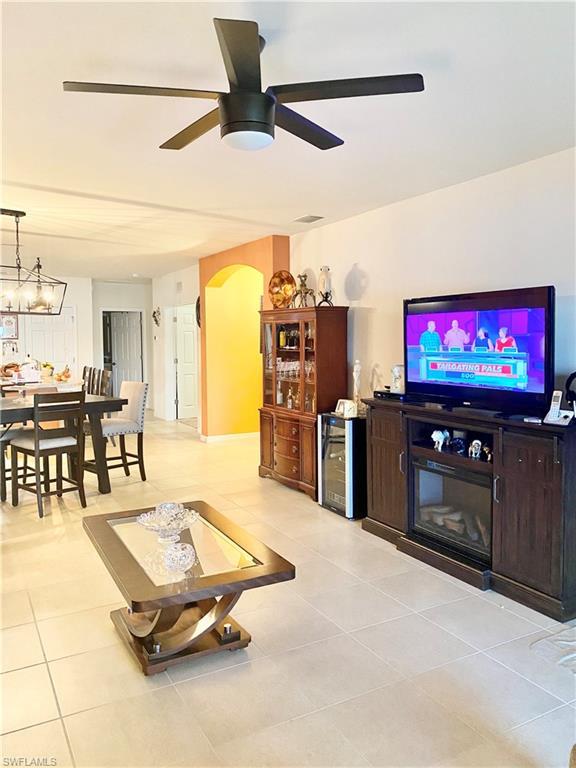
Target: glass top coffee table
column 172, row 616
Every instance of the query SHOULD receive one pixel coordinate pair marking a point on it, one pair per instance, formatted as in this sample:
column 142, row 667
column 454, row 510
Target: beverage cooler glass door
column 334, row 475
column 454, row 507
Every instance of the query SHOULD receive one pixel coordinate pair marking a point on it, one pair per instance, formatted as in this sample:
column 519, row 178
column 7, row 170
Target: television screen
column 484, row 343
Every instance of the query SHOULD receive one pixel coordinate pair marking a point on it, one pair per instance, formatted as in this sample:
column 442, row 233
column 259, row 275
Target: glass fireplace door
column 453, row 506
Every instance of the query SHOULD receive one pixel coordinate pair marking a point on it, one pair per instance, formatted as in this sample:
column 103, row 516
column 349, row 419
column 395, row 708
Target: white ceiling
column 104, row 201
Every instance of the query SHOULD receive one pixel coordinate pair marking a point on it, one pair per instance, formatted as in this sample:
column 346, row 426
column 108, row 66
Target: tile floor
column 368, row 658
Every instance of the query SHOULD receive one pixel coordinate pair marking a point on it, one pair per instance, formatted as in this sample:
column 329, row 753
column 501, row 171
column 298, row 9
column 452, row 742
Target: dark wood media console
column 508, row 524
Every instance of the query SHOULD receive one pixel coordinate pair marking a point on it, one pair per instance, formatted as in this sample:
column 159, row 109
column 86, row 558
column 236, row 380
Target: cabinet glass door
column 309, row 363
column 288, row 366
column 268, row 362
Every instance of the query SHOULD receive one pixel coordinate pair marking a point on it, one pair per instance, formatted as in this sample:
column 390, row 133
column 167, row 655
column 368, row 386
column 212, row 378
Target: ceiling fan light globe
column 248, row 140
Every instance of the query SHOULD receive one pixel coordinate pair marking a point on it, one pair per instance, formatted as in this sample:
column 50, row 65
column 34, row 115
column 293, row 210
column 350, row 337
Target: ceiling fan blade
column 193, row 131
column 138, row 90
column 305, row 129
column 240, row 46
column 343, row 89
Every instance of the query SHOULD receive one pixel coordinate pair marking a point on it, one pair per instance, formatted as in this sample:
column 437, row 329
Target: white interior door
column 126, row 335
column 53, row 339
column 187, row 362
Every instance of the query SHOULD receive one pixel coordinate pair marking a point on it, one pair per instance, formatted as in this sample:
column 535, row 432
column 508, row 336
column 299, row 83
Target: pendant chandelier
column 27, row 291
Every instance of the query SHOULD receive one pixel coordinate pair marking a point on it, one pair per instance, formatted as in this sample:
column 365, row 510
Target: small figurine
column 487, row 451
column 475, row 449
column 357, row 370
column 303, row 293
column 446, row 437
column 397, row 379
column 325, row 287
column 459, row 445
column 439, row 438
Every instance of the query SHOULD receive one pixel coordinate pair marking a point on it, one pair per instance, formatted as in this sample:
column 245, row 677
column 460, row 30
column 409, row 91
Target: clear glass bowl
column 168, row 520
column 179, row 557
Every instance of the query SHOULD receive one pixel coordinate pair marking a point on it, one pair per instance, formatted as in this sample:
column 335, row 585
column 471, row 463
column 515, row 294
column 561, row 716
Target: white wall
column 172, row 290
column 509, row 229
column 123, row 296
column 79, row 298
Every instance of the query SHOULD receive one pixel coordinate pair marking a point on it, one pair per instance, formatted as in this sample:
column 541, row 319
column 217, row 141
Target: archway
column 233, row 361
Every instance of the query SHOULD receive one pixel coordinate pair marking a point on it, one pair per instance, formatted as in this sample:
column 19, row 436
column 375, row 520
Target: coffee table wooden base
column 210, row 640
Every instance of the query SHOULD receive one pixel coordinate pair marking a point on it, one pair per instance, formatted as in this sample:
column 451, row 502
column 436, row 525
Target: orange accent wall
column 267, row 255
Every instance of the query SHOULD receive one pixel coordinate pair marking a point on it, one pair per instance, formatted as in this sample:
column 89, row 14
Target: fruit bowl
column 168, row 520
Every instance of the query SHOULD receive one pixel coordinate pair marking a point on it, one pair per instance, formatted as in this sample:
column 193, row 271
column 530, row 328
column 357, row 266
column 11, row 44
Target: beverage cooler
column 342, row 465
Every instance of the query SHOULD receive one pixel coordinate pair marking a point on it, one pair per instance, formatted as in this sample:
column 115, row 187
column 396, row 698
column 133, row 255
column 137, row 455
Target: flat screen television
column 490, row 350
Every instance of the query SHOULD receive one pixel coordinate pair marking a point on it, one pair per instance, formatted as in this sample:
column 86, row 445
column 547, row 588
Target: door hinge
column 175, row 361
column 174, row 319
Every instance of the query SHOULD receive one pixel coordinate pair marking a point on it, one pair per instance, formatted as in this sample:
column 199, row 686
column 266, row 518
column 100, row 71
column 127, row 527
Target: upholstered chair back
column 135, row 392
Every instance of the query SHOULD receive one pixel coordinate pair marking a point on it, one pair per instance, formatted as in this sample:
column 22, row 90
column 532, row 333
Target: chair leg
column 59, row 475
column 122, row 439
column 38, row 476
column 14, row 475
column 141, row 455
column 46, row 470
column 80, row 481
column 25, row 467
column 2, row 473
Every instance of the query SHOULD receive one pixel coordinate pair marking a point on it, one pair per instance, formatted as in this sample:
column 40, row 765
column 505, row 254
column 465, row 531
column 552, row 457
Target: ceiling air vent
column 308, row 219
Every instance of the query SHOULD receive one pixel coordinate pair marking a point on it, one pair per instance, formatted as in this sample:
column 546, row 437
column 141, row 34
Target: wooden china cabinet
column 305, row 373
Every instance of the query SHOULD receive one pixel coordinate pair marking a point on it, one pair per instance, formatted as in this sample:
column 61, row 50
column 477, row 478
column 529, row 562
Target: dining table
column 18, row 410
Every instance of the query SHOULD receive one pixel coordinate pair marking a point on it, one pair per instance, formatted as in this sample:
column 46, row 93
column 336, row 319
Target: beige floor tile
column 547, row 741
column 27, row 698
column 73, row 596
column 419, row 589
column 318, row 670
column 521, row 610
column 239, row 701
column 281, row 626
column 155, row 729
column 522, row 656
column 357, row 606
column 480, row 623
column 491, row 754
column 319, row 575
column 19, row 647
column 412, row 645
column 78, row 632
column 486, row 695
column 363, row 559
column 290, row 549
column 15, row 609
column 305, row 742
column 99, row 677
column 205, row 665
column 400, row 726
column 41, row 742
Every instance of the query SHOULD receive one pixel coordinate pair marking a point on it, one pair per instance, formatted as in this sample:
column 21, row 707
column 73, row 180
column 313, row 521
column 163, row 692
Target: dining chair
column 40, row 444
column 7, row 435
column 129, row 422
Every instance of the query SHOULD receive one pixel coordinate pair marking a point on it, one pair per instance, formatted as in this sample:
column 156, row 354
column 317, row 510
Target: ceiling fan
column 247, row 116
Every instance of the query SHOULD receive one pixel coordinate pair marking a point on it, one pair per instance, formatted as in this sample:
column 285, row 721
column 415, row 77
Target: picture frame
column 8, row 327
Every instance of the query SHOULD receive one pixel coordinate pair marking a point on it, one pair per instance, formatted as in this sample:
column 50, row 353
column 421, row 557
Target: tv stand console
column 505, row 521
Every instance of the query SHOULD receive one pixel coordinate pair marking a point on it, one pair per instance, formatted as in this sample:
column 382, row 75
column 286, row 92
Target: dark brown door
column 527, row 512
column 266, row 438
column 308, row 451
column 387, row 469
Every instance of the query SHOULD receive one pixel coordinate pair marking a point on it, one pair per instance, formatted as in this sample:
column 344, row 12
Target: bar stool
column 40, row 444
column 129, row 422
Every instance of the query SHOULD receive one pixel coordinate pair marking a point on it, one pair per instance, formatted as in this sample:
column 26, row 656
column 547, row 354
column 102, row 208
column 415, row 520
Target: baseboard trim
column 561, row 610
column 223, row 438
